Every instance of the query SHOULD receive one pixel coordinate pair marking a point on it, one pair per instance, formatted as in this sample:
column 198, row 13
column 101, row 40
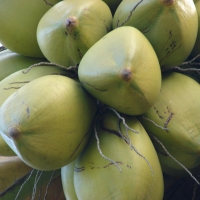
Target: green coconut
column 170, row 25
column 18, row 79
column 70, row 28
column 124, row 74
column 19, row 20
column 11, row 62
column 47, row 122
column 177, row 113
column 67, row 177
column 98, row 178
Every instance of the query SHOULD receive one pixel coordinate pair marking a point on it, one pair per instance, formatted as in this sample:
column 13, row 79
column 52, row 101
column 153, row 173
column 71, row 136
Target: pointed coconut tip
column 126, row 74
column 168, row 2
column 14, row 132
column 71, row 22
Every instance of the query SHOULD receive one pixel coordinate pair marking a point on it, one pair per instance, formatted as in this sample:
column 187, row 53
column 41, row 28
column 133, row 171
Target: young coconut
column 19, row 20
column 170, row 25
column 125, row 73
column 173, row 123
column 18, row 79
column 70, row 28
column 11, row 62
column 67, row 177
column 139, row 175
column 49, row 128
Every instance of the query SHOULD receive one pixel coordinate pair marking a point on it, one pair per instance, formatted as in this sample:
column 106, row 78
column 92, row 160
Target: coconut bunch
column 98, row 99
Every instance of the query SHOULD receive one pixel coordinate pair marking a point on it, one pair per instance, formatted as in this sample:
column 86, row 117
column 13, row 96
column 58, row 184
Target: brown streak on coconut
column 79, row 144
column 94, row 87
column 168, row 120
column 157, row 113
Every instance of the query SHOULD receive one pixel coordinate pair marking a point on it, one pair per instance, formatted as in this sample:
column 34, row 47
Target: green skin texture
column 48, row 136
column 97, row 178
column 100, row 73
column 19, row 76
column 11, row 62
column 179, row 95
column 67, row 46
column 171, row 29
column 19, row 20
column 67, row 177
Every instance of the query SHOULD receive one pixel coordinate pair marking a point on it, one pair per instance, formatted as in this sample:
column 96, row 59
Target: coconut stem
column 24, row 183
column 187, row 63
column 127, row 138
column 163, row 128
column 50, row 4
column 71, row 68
column 37, row 178
column 129, row 16
column 49, row 184
column 100, row 151
column 167, row 152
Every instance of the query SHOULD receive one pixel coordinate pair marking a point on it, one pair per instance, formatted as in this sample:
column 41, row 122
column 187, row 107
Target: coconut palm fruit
column 18, row 79
column 19, row 20
column 20, row 182
column 176, row 109
column 50, row 128
column 67, row 177
column 124, row 74
column 170, row 25
column 113, row 4
column 11, row 62
column 140, row 176
column 71, row 27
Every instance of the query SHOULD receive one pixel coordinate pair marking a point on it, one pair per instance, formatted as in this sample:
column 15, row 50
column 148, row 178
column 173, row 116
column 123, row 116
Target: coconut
column 70, row 28
column 50, row 128
column 67, row 177
column 18, row 79
column 116, row 168
column 125, row 73
column 170, row 25
column 173, row 123
column 19, row 20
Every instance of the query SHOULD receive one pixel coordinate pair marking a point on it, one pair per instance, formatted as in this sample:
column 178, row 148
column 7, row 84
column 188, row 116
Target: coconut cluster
column 99, row 99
